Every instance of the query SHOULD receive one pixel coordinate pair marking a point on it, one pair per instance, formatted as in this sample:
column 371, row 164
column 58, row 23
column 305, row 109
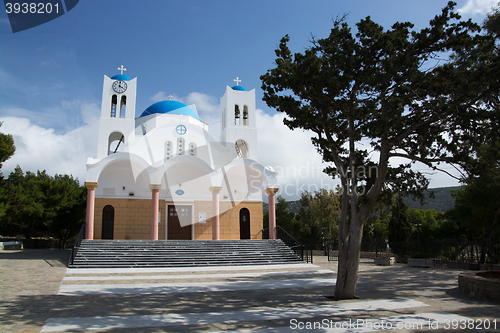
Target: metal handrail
column 297, row 247
column 76, row 244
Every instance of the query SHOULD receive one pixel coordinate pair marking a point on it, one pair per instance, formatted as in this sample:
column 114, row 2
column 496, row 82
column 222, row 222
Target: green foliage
column 477, row 205
column 385, row 88
column 41, row 204
column 7, row 149
column 399, row 225
column 26, row 202
column 319, row 210
column 68, row 206
column 438, row 199
column 377, row 224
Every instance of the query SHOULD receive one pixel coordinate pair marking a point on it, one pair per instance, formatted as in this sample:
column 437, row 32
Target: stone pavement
column 38, row 293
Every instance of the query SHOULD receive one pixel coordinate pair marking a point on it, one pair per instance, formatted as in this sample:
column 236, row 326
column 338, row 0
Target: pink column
column 155, row 190
column 215, row 212
column 271, row 191
column 89, row 220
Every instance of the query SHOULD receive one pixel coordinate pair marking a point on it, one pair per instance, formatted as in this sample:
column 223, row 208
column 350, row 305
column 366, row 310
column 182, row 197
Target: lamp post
column 418, row 225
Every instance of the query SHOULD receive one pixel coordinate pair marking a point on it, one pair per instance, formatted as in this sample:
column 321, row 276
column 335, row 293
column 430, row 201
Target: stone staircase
column 145, row 253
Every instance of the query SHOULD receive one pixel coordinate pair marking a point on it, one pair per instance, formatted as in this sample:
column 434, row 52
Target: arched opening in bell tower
column 245, row 115
column 114, row 102
column 123, row 106
column 116, row 142
column 236, row 114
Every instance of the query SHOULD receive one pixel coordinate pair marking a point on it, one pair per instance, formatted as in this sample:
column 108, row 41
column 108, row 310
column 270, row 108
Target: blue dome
column 121, row 77
column 170, row 107
column 240, row 88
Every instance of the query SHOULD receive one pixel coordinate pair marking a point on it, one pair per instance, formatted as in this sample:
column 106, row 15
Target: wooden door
column 244, row 223
column 175, row 231
column 108, row 222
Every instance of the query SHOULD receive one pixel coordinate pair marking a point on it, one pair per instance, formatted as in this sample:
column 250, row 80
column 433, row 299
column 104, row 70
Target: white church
column 162, row 176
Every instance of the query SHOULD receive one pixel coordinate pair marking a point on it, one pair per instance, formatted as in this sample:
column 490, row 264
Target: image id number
column 478, row 324
column 32, row 8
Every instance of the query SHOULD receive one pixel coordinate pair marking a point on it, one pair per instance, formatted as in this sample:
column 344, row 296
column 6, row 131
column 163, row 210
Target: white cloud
column 159, row 96
column 475, row 7
column 208, row 108
column 292, row 155
column 40, row 148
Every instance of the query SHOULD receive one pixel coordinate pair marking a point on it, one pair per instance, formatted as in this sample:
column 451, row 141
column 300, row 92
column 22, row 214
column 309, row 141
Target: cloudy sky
column 51, row 75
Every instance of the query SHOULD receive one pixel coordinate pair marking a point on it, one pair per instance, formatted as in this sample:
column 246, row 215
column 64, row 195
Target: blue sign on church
column 179, row 192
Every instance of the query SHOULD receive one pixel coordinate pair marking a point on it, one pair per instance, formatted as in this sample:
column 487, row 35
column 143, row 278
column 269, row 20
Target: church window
column 192, row 149
column 114, row 101
column 236, row 114
column 180, row 146
column 123, row 105
column 245, row 115
column 168, row 150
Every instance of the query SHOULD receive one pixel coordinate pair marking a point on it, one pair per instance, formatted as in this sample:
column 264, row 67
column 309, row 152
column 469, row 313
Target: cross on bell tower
column 121, row 69
column 237, row 80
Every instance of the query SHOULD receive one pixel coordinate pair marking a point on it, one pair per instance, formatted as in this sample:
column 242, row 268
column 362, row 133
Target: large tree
column 477, row 204
column 66, row 202
column 26, row 202
column 318, row 216
column 373, row 96
column 7, row 149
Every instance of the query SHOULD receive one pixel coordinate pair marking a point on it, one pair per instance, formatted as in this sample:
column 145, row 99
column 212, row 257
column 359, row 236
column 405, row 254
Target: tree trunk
column 343, row 243
column 347, row 272
column 349, row 267
column 27, row 231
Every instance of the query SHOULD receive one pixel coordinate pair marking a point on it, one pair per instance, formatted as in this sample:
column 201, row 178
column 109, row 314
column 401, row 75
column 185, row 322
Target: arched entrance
column 244, row 223
column 108, row 222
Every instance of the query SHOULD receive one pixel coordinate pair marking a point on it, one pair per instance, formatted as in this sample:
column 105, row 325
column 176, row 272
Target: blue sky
column 51, row 75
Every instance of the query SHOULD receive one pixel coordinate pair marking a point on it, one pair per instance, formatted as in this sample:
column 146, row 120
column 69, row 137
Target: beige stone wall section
column 133, row 218
column 229, row 220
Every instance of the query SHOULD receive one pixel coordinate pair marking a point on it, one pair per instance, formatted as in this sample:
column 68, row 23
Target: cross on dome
column 170, row 97
column 237, row 80
column 122, row 69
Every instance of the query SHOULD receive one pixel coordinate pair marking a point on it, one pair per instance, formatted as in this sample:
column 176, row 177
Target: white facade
column 169, row 146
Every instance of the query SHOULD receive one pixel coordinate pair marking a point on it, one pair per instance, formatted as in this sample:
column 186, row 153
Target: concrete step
column 138, row 253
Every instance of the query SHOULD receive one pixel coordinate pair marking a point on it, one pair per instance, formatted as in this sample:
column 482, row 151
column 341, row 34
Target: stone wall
column 471, row 284
column 368, row 255
column 133, row 219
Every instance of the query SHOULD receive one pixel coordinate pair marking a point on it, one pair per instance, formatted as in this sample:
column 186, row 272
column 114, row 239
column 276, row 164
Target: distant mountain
column 442, row 202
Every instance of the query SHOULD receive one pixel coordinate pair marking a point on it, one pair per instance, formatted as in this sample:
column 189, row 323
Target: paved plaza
column 39, row 294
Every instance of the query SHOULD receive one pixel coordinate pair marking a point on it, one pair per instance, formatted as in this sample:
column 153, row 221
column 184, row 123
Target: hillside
column 442, row 202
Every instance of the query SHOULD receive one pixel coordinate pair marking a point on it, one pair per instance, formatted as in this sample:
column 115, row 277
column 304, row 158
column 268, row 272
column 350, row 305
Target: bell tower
column 117, row 122
column 238, row 120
